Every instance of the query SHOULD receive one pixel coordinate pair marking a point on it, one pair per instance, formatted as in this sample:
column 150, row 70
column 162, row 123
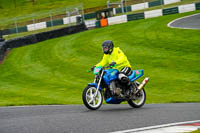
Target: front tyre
column 89, row 99
column 139, row 100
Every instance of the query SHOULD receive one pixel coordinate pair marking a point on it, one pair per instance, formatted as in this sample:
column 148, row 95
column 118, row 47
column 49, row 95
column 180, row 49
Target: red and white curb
column 180, row 127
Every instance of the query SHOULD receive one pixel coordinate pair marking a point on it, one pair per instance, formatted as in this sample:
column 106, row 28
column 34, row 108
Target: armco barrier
column 72, row 19
column 117, row 19
column 171, row 1
column 137, row 16
column 118, row 10
column 114, row 11
column 168, row 11
column 90, row 23
column 55, row 22
column 197, row 6
column 153, row 13
column 186, row 8
column 2, row 50
column 36, row 26
column 22, row 29
column 127, row 9
column 14, row 30
column 90, row 15
column 156, row 3
column 139, row 6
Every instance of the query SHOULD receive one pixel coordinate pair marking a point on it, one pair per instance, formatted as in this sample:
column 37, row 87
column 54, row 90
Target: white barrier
column 37, row 26
column 117, row 20
column 153, row 13
column 31, row 27
column 68, row 20
column 90, row 23
column 114, row 11
column 139, row 6
column 171, row 1
column 186, row 8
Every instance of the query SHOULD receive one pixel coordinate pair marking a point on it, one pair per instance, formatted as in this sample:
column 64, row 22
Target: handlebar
column 109, row 66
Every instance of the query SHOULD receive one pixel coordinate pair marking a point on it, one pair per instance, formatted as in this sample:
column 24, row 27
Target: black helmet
column 107, row 47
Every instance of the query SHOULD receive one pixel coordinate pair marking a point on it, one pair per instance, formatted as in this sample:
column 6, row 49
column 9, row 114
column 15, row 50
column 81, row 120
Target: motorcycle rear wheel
column 89, row 100
column 139, row 102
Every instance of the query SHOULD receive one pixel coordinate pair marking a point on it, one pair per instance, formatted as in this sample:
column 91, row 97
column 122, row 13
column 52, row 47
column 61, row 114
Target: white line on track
column 155, row 127
column 31, row 106
column 169, row 24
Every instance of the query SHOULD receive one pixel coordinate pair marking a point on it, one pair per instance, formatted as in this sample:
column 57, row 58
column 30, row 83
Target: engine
column 114, row 88
column 119, row 89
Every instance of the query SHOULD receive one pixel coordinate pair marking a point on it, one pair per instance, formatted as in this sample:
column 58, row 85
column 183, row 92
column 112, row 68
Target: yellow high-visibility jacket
column 116, row 56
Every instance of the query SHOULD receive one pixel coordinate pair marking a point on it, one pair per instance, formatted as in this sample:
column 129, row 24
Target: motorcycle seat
column 136, row 74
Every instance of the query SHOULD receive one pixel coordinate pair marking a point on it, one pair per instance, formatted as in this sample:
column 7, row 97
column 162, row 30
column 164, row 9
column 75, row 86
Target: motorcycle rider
column 114, row 57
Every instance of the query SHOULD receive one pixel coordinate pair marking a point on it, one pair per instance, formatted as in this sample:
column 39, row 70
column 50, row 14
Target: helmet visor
column 105, row 49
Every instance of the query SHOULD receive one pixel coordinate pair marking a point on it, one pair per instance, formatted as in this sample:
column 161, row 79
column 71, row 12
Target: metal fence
column 41, row 20
column 124, row 6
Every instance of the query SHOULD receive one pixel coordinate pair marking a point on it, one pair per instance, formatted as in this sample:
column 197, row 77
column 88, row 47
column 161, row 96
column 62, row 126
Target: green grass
column 197, row 131
column 8, row 9
column 54, row 71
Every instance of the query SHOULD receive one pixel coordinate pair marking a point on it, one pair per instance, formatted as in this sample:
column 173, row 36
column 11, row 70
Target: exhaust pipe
column 144, row 82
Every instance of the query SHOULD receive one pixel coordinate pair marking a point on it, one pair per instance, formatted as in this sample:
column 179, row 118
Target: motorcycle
column 107, row 84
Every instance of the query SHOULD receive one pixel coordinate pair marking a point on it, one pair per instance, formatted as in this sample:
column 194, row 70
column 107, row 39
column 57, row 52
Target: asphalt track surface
column 188, row 22
column 78, row 119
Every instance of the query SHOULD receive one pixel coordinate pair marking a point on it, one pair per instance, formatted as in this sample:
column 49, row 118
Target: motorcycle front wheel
column 139, row 101
column 89, row 99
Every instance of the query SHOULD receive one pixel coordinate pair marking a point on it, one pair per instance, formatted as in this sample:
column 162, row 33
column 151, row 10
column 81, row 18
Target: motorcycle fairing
column 112, row 100
column 95, row 85
column 136, row 74
column 109, row 75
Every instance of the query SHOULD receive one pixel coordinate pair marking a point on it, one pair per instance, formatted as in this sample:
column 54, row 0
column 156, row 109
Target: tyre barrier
column 2, row 50
column 2, row 39
column 35, row 38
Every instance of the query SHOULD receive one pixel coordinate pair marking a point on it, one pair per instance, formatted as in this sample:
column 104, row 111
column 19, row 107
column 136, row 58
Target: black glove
column 92, row 68
column 112, row 64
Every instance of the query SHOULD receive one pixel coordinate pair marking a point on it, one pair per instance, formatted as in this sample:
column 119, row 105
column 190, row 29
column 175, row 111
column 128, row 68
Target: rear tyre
column 89, row 100
column 139, row 101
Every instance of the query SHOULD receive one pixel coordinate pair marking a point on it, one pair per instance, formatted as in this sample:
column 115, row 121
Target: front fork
column 99, row 83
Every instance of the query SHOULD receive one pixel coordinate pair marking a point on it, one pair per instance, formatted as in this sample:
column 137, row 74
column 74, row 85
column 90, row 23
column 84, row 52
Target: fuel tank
column 110, row 74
